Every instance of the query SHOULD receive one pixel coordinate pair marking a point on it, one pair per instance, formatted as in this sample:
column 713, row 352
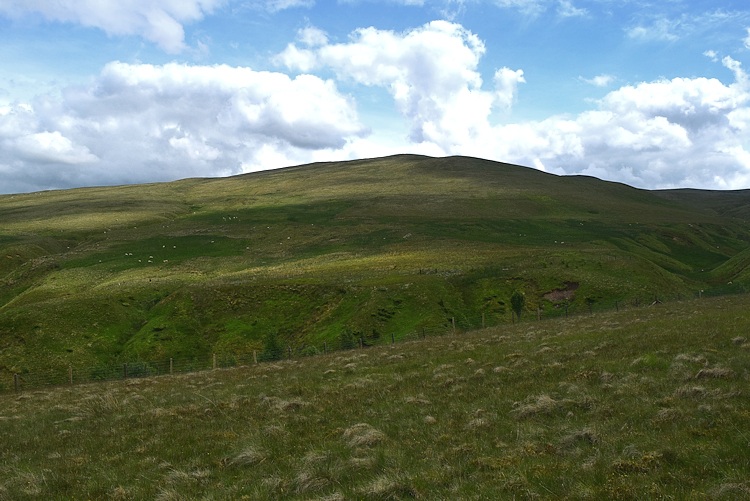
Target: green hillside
column 371, row 249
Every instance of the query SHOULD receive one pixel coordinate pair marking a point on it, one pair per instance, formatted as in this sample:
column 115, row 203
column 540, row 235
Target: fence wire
column 62, row 376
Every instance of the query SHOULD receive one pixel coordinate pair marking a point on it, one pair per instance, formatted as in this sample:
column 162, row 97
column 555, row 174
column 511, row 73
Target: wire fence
column 274, row 349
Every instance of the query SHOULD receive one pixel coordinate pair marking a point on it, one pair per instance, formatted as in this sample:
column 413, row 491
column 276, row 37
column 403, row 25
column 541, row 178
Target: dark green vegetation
column 644, row 403
column 327, row 252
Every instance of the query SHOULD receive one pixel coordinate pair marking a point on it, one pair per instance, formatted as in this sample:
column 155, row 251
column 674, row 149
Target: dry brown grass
column 363, row 435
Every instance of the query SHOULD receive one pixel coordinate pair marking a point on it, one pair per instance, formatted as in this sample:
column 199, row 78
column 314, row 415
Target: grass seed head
column 249, row 457
column 715, row 373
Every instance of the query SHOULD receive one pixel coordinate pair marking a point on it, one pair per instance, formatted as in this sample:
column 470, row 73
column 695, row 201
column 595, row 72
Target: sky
column 651, row 93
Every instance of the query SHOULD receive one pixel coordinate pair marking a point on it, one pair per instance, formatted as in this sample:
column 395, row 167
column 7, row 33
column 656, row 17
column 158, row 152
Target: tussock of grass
column 544, row 405
column 586, row 436
column 733, row 490
column 249, row 456
column 282, row 405
column 363, row 435
column 389, row 486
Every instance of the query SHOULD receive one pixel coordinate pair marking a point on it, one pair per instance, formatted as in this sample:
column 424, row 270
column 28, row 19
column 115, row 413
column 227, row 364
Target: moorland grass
column 646, row 403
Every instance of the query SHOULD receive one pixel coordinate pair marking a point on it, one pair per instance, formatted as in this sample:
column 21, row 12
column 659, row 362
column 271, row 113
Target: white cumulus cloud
column 431, row 73
column 159, row 21
column 667, row 133
column 51, row 147
column 139, row 122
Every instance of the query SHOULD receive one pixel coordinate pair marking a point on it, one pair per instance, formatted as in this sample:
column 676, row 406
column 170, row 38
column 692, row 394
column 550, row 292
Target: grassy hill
column 642, row 403
column 372, row 248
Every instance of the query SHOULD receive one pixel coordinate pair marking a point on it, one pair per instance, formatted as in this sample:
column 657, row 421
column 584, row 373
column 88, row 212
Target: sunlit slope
column 374, row 247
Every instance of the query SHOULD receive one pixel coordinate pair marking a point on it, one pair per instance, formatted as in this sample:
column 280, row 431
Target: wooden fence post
column 255, row 357
column 482, row 320
column 453, row 321
column 393, row 339
column 70, row 374
column 125, row 371
column 171, row 365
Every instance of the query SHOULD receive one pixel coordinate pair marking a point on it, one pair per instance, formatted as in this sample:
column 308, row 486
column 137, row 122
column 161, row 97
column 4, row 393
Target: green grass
column 645, row 403
column 101, row 276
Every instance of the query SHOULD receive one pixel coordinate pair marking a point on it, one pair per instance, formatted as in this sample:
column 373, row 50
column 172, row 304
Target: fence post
column 290, row 352
column 16, row 383
column 255, row 357
column 361, row 343
column 125, row 371
column 171, row 365
column 70, row 374
column 393, row 339
column 453, row 321
column 482, row 320
column 214, row 362
column 325, row 347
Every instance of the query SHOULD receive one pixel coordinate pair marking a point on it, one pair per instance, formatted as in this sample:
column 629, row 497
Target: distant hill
column 367, row 249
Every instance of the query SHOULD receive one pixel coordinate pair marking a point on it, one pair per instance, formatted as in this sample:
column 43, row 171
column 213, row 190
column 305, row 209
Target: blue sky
column 654, row 94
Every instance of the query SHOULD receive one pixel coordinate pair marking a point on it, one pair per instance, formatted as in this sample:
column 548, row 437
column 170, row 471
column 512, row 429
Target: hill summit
column 370, row 249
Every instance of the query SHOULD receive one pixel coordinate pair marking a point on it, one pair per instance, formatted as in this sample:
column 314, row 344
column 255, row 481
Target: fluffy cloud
column 159, row 21
column 668, row 133
column 506, row 85
column 51, row 147
column 139, row 122
column 431, row 73
column 143, row 122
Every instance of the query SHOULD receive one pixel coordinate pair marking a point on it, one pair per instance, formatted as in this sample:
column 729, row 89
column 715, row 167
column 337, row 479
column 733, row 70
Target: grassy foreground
column 643, row 403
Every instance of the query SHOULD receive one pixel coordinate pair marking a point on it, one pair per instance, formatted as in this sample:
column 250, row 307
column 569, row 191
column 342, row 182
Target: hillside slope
column 371, row 248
